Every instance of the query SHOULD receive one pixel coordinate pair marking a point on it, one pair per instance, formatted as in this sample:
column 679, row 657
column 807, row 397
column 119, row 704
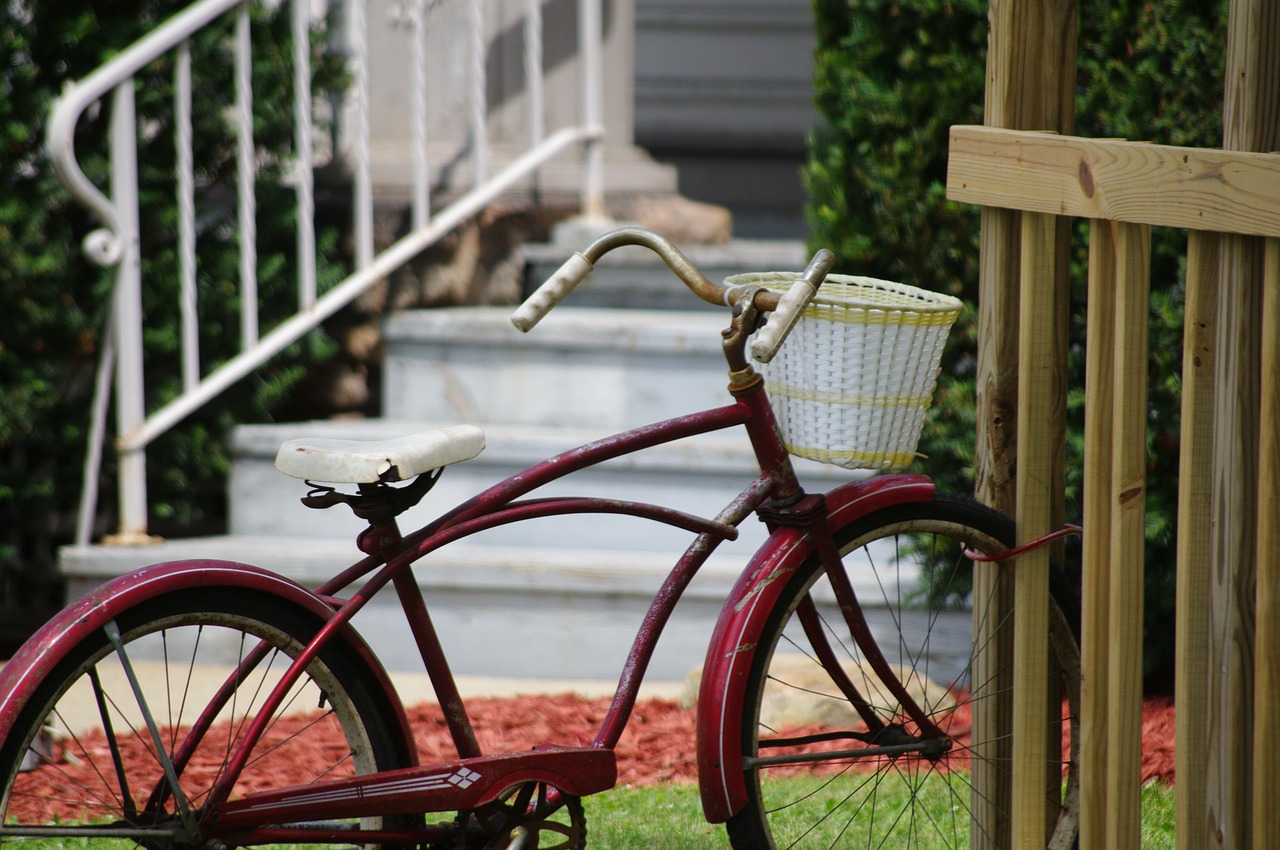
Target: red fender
column 733, row 643
column 48, row 646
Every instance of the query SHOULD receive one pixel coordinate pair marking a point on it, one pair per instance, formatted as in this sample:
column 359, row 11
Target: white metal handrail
column 117, row 242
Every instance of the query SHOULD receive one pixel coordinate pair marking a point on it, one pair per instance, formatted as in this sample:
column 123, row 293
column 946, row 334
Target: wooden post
column 1195, row 540
column 1127, row 501
column 1041, row 406
column 1031, row 75
column 1233, row 540
column 1251, row 121
column 1115, row 486
column 1031, row 62
column 1099, row 392
column 1266, row 714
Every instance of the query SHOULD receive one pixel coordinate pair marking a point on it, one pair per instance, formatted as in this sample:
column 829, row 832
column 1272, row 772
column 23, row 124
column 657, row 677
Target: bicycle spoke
column 184, row 808
column 127, row 803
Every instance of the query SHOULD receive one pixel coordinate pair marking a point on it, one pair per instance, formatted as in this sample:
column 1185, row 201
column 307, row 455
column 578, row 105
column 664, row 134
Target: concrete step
column 579, row 368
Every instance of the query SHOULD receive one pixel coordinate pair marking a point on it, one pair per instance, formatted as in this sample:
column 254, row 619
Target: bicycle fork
column 810, row 514
column 933, row 742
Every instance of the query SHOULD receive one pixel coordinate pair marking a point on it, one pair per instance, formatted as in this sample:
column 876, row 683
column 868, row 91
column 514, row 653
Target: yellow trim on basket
column 868, row 300
column 852, row 459
column 887, row 316
column 778, row 390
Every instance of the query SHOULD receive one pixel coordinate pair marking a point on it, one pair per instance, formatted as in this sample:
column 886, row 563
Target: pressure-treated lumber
column 1159, row 185
column 1095, row 648
column 1251, row 122
column 1041, row 403
column 1195, row 541
column 1031, row 76
column 1233, row 534
column 1266, row 669
column 1127, row 500
column 1031, row 56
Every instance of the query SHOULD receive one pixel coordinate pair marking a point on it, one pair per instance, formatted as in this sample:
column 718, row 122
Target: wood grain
column 1159, row 185
column 1195, row 540
column 1127, row 499
column 1266, row 665
column 1251, row 122
column 1041, row 401
column 1094, row 645
column 1031, row 60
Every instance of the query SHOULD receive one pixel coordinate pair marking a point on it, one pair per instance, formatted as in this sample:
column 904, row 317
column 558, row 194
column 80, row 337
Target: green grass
column 670, row 816
column 665, row 816
column 1157, row 816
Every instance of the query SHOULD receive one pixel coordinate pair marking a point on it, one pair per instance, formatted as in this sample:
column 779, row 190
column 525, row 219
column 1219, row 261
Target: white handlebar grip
column 551, row 292
column 782, row 320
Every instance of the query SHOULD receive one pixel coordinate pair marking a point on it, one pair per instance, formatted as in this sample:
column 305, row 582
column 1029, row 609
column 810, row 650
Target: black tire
column 183, row 645
column 908, row 799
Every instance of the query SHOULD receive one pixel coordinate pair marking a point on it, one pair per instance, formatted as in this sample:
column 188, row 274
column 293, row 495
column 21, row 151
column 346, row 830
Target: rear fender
column 50, row 645
column 733, row 643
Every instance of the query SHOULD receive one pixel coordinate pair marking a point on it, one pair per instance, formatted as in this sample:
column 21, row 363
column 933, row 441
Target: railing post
column 302, row 153
column 479, row 95
column 533, row 71
column 362, row 178
column 590, row 36
column 421, row 163
column 128, row 317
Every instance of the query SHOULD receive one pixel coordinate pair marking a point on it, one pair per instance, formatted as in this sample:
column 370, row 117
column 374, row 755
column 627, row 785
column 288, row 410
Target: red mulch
column 657, row 746
column 1157, row 739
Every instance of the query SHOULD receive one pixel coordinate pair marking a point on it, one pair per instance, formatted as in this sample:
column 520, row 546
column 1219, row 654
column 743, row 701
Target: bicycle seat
column 378, row 461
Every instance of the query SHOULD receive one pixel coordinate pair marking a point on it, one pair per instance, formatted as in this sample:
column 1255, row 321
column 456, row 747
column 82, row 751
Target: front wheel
column 825, row 772
column 83, row 764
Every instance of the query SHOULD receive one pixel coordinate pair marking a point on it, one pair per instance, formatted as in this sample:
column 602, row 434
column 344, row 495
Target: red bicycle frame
column 800, row 525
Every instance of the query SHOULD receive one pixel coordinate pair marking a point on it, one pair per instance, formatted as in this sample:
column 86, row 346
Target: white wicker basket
column 853, row 380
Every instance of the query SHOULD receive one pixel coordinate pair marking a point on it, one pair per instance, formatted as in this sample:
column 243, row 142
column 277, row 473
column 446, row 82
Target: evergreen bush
column 891, row 77
column 57, row 302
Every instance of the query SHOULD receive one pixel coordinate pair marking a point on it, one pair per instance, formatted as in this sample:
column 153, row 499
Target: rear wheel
column 81, row 762
column 824, row 773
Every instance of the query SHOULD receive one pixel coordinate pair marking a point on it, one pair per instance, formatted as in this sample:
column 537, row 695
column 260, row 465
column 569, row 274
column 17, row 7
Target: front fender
column 733, row 643
column 51, row 643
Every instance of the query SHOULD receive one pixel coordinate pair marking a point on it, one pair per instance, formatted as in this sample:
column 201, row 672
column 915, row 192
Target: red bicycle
column 902, row 739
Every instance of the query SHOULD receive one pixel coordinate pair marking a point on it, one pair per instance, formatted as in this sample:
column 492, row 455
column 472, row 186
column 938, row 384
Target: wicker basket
column 852, row 382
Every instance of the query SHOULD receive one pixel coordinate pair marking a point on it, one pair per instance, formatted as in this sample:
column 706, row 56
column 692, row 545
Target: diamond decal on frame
column 464, row 777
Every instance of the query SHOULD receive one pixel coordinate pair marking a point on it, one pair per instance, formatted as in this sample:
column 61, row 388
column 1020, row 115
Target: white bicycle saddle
column 372, row 461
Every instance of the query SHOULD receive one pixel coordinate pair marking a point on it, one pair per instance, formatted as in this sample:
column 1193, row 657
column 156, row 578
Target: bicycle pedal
column 519, row 839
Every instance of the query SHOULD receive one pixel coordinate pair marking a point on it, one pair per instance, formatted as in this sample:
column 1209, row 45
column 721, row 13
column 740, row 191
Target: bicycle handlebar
column 551, row 292
column 791, row 306
column 785, row 308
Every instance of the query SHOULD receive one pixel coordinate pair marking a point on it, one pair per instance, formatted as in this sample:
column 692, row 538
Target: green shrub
column 891, row 77
column 56, row 302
